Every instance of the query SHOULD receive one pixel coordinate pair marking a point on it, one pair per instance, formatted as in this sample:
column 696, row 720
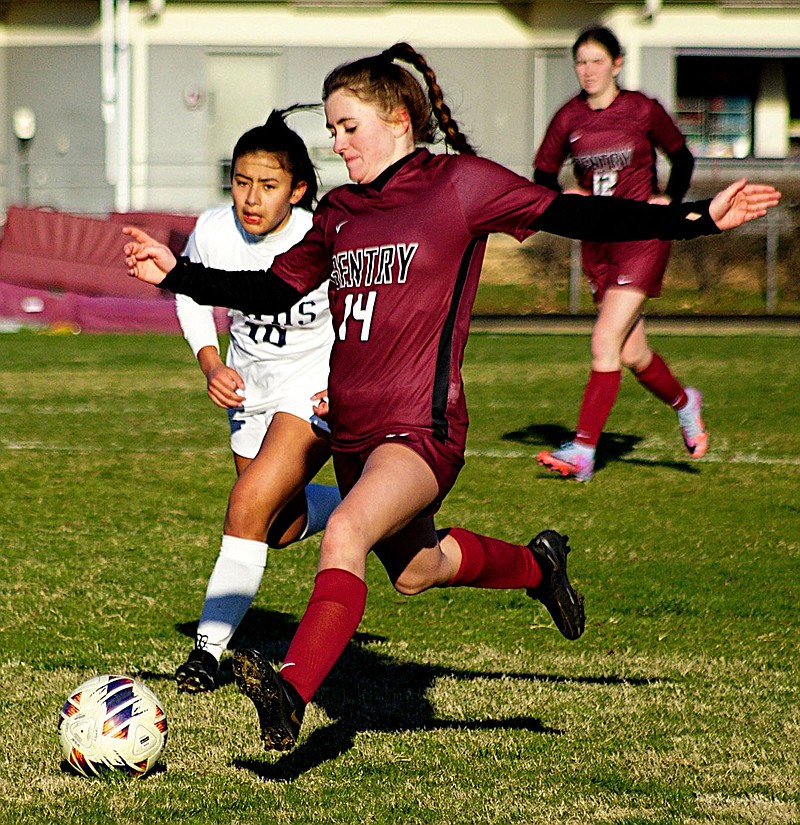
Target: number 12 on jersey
column 604, row 183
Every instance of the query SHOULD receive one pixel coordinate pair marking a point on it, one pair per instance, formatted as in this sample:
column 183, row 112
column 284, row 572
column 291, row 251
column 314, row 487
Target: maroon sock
column 488, row 562
column 598, row 399
column 658, row 378
column 331, row 618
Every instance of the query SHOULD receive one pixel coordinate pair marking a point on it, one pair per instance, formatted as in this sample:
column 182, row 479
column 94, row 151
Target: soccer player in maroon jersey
column 612, row 136
column 402, row 250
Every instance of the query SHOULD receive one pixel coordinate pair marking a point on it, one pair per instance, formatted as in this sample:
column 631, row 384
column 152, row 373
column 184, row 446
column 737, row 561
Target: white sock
column 321, row 500
column 231, row 589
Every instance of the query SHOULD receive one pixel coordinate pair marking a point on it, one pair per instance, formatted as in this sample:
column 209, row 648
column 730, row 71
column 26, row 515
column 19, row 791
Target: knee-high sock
column 331, row 618
column 488, row 562
column 232, row 586
column 659, row 380
column 321, row 501
column 598, row 400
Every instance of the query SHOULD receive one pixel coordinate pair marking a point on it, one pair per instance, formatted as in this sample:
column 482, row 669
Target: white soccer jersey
column 275, row 355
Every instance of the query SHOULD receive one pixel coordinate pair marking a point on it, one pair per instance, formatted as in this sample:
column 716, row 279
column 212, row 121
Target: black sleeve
column 255, row 293
column 680, row 174
column 548, row 179
column 604, row 219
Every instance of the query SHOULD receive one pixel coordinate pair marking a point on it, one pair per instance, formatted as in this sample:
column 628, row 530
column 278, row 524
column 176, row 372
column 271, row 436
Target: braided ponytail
column 379, row 80
column 453, row 136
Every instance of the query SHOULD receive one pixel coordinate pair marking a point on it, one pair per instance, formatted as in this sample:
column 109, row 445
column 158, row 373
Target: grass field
column 680, row 704
column 725, row 275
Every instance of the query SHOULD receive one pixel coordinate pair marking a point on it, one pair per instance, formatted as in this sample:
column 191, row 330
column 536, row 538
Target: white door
column 243, row 89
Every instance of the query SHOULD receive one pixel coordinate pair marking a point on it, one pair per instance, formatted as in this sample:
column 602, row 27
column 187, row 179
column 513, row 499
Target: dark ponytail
column 287, row 146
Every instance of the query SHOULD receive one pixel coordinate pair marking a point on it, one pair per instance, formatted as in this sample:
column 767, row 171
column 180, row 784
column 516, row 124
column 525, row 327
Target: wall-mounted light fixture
column 23, row 122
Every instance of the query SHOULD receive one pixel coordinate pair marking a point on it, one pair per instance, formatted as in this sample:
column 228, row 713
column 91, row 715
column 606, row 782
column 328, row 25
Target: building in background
column 119, row 105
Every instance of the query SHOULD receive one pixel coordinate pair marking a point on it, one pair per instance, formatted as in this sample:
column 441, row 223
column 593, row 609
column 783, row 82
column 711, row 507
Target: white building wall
column 772, row 114
column 507, row 112
column 689, row 26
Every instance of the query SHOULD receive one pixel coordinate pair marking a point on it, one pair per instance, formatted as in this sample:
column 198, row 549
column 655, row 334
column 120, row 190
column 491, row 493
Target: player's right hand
column 225, row 387
column 146, row 258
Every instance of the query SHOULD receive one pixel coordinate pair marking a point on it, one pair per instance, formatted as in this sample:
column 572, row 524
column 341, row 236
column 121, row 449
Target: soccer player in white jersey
column 274, row 365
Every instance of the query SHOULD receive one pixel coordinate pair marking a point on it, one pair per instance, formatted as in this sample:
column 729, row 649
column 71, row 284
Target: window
column 739, row 105
column 715, row 105
column 793, row 91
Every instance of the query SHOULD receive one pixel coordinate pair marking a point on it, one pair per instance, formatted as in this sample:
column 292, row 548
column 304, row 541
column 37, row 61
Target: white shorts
column 248, row 429
column 272, row 388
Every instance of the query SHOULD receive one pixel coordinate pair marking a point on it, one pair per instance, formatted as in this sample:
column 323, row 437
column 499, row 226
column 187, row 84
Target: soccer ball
column 112, row 723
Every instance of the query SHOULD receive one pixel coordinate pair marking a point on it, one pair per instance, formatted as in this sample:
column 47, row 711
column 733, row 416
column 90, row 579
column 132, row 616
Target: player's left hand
column 322, row 407
column 742, row 202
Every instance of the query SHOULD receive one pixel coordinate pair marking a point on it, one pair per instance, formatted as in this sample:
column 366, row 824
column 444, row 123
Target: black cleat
column 555, row 592
column 280, row 708
column 198, row 674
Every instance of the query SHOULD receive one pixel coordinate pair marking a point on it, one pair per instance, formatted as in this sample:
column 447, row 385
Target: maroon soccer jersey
column 613, row 154
column 613, row 150
column 404, row 256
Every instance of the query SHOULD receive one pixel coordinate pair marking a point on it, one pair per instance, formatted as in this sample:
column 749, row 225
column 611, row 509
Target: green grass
column 724, row 275
column 681, row 703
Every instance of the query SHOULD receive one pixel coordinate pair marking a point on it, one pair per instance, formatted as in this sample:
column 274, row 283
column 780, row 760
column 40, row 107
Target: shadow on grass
column 611, row 447
column 369, row 691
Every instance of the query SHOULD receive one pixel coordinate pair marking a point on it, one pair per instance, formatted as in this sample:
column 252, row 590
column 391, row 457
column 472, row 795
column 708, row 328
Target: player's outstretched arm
column 146, row 258
column 741, row 202
column 618, row 219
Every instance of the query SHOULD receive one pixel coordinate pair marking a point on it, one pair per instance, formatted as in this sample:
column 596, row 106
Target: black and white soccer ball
column 112, row 723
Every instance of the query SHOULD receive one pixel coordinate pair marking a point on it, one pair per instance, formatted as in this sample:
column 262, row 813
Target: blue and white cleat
column 572, row 460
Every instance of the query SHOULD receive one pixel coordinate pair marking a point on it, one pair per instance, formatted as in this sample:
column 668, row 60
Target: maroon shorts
column 444, row 458
column 637, row 264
